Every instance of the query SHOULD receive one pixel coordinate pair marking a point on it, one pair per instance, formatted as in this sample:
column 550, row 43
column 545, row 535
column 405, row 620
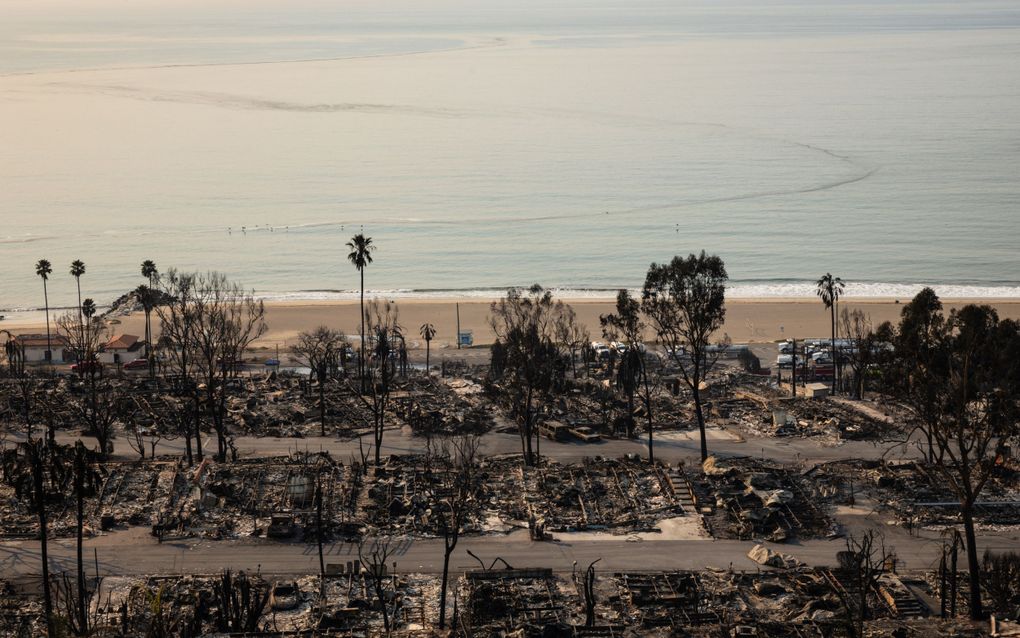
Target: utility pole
column 458, row 326
column 793, row 378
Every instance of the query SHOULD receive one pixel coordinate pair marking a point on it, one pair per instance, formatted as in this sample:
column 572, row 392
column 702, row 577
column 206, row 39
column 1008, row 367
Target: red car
column 137, row 364
column 84, row 367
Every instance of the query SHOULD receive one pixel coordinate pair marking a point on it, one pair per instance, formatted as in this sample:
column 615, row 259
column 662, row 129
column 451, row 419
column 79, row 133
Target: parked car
column 284, row 596
column 585, row 433
column 554, row 430
column 784, row 361
column 85, row 367
column 281, row 526
column 786, row 347
column 136, row 364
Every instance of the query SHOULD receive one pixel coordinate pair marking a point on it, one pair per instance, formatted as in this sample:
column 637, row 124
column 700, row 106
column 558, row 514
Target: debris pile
column 345, row 604
column 752, row 498
column 916, row 494
column 763, row 411
column 600, row 494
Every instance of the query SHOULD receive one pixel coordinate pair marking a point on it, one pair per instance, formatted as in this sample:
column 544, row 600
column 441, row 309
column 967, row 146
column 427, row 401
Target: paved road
column 133, row 552
column 668, row 446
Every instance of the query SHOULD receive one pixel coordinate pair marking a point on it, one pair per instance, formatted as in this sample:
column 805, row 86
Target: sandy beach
column 747, row 320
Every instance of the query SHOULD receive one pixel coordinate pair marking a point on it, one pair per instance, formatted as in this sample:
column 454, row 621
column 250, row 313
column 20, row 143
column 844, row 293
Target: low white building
column 34, row 347
column 121, row 349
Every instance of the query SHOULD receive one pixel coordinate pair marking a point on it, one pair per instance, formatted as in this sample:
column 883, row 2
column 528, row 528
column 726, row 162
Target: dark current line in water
column 495, row 42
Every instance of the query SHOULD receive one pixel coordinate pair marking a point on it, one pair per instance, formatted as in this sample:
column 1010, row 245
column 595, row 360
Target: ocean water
column 490, row 144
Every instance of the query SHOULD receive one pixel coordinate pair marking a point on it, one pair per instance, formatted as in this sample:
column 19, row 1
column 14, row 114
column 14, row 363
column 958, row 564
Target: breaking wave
column 737, row 290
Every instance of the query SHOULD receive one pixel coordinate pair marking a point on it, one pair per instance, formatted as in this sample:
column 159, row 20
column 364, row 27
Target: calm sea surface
column 488, row 144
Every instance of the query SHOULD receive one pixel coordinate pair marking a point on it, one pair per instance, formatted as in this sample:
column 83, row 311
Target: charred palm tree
column 829, row 290
column 77, row 270
column 428, row 331
column 361, row 256
column 150, row 272
column 86, row 479
column 147, row 299
column 44, row 269
column 88, row 310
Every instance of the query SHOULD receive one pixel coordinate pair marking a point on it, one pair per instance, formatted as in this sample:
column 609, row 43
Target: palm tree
column 43, row 269
column 830, row 289
column 149, row 271
column 86, row 480
column 77, row 270
column 88, row 308
column 427, row 332
column 146, row 294
column 361, row 256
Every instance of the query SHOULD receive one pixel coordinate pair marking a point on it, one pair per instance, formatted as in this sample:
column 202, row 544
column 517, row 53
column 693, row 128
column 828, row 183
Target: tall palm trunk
column 835, row 335
column 148, row 332
column 79, row 490
column 832, row 347
column 37, row 479
column 361, row 359
column 81, row 321
column 46, row 301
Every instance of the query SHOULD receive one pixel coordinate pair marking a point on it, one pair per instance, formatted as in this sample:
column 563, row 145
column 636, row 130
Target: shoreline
column 748, row 320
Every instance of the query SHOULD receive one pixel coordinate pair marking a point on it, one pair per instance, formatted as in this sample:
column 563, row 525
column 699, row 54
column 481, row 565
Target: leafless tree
column 375, row 558
column 161, row 417
column 34, row 474
column 102, row 410
column 25, row 386
column 860, row 566
column 14, row 354
column 320, row 350
column 86, row 336
column 453, row 486
column 384, row 331
column 626, row 324
column 148, row 419
column 227, row 319
column 868, row 343
column 570, row 334
column 177, row 328
column 320, row 530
